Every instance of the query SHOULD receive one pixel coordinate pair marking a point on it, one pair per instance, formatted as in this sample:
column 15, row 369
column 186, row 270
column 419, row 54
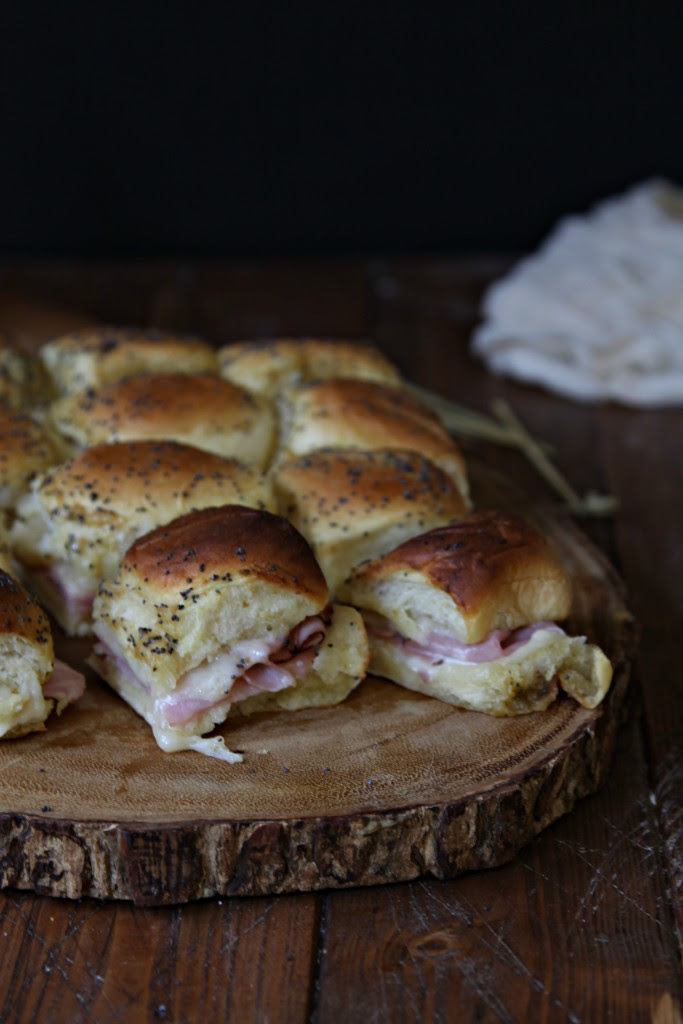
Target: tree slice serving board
column 388, row 786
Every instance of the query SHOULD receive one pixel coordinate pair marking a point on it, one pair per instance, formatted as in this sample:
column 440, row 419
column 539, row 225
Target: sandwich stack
column 250, row 528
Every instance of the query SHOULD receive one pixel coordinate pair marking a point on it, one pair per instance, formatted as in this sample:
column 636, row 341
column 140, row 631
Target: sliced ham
column 245, row 670
column 59, row 585
column 65, row 685
column 275, row 670
column 444, row 647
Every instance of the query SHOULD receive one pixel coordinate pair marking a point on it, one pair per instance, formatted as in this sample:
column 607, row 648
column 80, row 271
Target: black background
column 298, row 129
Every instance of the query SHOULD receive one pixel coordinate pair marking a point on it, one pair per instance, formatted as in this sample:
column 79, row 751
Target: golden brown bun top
column 155, row 402
column 25, row 449
column 494, row 568
column 125, row 475
column 265, row 366
column 22, row 615
column 91, row 356
column 223, row 542
column 356, row 489
column 366, row 414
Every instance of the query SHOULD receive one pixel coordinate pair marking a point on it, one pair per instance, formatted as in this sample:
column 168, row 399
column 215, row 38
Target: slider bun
column 25, row 449
column 196, row 409
column 488, row 571
column 365, row 414
column 267, row 366
column 526, row 680
column 355, row 505
column 92, row 356
column 80, row 517
column 338, row 666
column 205, row 581
column 27, row 658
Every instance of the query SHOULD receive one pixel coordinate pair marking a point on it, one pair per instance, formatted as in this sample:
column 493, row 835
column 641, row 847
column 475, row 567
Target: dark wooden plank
column 221, row 301
column 90, row 962
column 321, row 299
column 575, row 929
column 643, row 456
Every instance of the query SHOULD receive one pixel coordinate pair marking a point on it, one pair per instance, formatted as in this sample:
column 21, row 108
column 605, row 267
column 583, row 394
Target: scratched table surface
column 585, row 924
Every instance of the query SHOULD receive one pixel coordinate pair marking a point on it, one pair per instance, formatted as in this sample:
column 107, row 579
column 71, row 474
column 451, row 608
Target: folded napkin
column 597, row 313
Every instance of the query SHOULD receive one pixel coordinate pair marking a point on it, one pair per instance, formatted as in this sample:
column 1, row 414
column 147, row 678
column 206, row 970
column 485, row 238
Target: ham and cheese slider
column 267, row 366
column 25, row 450
column 77, row 520
column 355, row 505
column 365, row 415
column 468, row 613
column 91, row 356
column 198, row 409
column 221, row 610
column 32, row 681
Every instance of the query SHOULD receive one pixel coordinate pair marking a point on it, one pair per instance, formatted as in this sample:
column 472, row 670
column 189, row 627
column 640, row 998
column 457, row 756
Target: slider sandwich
column 91, row 356
column 196, row 409
column 354, row 505
column 365, row 415
column 77, row 520
column 32, row 681
column 223, row 610
column 266, row 367
column 468, row 613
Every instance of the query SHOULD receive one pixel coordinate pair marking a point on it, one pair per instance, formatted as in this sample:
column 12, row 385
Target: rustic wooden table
column 586, row 923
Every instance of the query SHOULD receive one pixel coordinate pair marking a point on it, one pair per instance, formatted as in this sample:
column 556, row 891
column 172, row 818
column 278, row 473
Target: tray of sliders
column 265, row 630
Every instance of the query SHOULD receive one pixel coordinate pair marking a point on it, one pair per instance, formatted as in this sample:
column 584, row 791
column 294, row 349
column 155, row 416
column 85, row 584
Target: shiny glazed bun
column 204, row 411
column 267, row 366
column 365, row 414
column 91, row 356
column 487, row 571
column 468, row 612
column 78, row 519
column 354, row 505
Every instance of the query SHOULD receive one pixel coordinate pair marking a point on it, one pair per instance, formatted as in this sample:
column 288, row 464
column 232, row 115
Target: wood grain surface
column 584, row 924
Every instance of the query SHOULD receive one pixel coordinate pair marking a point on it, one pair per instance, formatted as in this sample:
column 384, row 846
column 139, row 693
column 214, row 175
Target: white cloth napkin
column 597, row 313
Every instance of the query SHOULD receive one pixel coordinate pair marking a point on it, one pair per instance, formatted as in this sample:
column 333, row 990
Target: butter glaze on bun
column 267, row 366
column 355, row 505
column 197, row 409
column 78, row 519
column 205, row 601
column 91, row 356
column 25, row 449
column 467, row 613
column 365, row 414
column 487, row 571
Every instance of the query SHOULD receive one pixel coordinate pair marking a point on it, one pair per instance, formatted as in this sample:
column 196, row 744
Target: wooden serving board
column 385, row 787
